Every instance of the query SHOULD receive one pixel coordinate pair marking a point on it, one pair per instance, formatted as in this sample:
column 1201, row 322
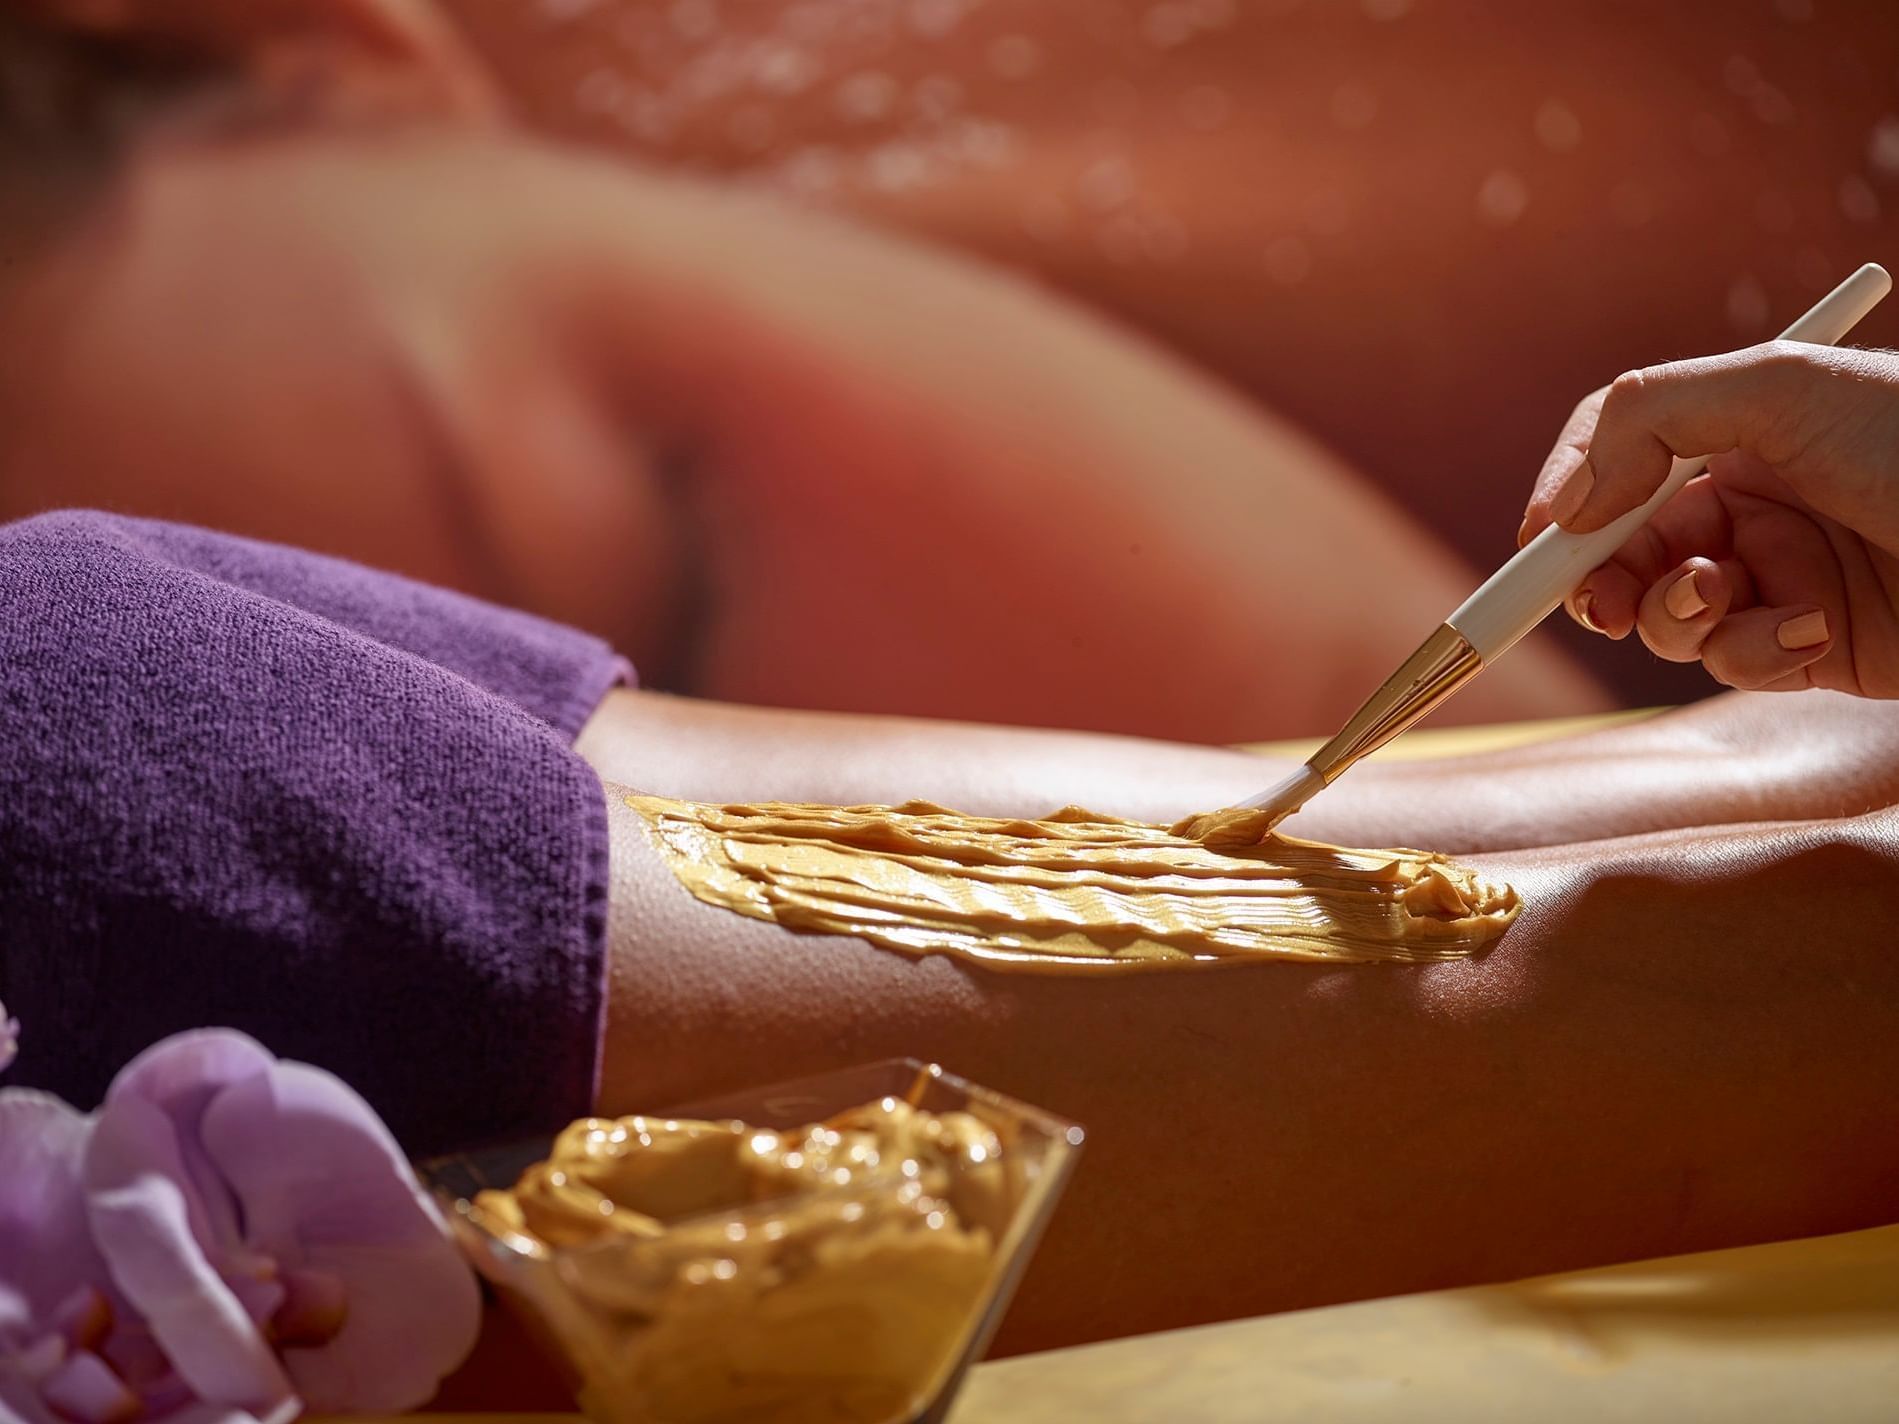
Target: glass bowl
column 659, row 1329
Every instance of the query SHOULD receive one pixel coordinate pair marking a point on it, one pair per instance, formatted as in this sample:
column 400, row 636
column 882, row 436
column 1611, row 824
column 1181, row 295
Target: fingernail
column 1683, row 599
column 1569, row 498
column 1586, row 610
column 1523, row 532
column 1806, row 631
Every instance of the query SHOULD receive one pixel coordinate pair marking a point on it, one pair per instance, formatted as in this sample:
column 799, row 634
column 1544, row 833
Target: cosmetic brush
column 1520, row 595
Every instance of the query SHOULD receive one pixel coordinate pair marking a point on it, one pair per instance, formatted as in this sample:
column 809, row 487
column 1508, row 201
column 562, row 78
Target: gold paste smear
column 1229, row 829
column 824, row 1273
column 1076, row 890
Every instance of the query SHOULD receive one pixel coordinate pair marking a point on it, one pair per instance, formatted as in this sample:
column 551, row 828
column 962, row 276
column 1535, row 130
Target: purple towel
column 245, row 785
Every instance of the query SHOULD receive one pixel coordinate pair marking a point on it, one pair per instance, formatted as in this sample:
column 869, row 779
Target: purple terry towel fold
column 245, row 785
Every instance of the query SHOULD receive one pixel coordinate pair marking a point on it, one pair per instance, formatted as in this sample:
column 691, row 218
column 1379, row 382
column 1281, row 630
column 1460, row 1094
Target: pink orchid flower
column 69, row 1350
column 243, row 1203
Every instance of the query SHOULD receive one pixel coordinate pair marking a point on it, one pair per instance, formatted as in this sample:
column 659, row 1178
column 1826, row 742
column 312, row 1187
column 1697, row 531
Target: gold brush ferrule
column 1444, row 662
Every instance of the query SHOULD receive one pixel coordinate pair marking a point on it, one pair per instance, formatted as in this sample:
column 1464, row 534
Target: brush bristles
column 1288, row 794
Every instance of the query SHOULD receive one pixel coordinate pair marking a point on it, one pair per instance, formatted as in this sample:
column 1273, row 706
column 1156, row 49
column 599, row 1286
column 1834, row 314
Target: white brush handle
column 1551, row 566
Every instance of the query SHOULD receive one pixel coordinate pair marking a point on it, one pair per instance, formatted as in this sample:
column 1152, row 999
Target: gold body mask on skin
column 1075, row 891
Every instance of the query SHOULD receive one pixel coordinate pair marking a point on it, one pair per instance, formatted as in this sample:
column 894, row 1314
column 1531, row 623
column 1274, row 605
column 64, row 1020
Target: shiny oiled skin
column 1685, row 1041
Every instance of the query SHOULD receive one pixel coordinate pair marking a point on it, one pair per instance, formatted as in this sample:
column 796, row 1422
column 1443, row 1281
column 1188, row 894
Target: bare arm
column 1685, row 1041
column 1740, row 757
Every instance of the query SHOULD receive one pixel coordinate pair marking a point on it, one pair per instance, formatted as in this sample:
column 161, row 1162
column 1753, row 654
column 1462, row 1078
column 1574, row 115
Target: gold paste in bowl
column 1075, row 890
column 738, row 1273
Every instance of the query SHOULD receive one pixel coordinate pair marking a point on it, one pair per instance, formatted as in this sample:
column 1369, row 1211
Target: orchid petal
column 46, row 1251
column 188, row 1068
column 85, row 1389
column 316, row 1303
column 322, row 1185
column 200, row 1413
column 84, row 1318
column 410, row 1323
column 20, row 1403
column 135, row 1356
column 261, row 1297
column 9, row 1039
column 309, row 1160
column 138, row 1201
column 181, row 1075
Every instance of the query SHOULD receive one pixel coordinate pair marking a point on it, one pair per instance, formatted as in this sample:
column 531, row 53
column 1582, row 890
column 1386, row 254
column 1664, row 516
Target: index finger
column 1767, row 400
column 1570, row 448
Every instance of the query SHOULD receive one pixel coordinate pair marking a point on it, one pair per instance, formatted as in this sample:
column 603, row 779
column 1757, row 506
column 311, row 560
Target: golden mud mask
column 1075, row 891
column 738, row 1273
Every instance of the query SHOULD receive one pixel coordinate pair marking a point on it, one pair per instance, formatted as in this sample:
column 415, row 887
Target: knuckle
column 1786, row 371
column 1786, row 368
column 1783, row 357
column 1629, row 387
column 1633, row 404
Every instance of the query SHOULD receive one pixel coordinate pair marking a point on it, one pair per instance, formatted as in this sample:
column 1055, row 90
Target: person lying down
column 1631, row 995
column 692, row 420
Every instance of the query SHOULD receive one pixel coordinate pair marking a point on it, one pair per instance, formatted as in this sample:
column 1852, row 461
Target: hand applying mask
column 1778, row 569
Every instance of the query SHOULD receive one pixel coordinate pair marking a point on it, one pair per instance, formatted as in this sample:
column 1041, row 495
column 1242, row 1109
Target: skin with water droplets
column 1297, row 159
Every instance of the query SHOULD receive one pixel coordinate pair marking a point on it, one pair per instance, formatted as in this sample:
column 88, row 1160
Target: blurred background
column 1403, row 237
